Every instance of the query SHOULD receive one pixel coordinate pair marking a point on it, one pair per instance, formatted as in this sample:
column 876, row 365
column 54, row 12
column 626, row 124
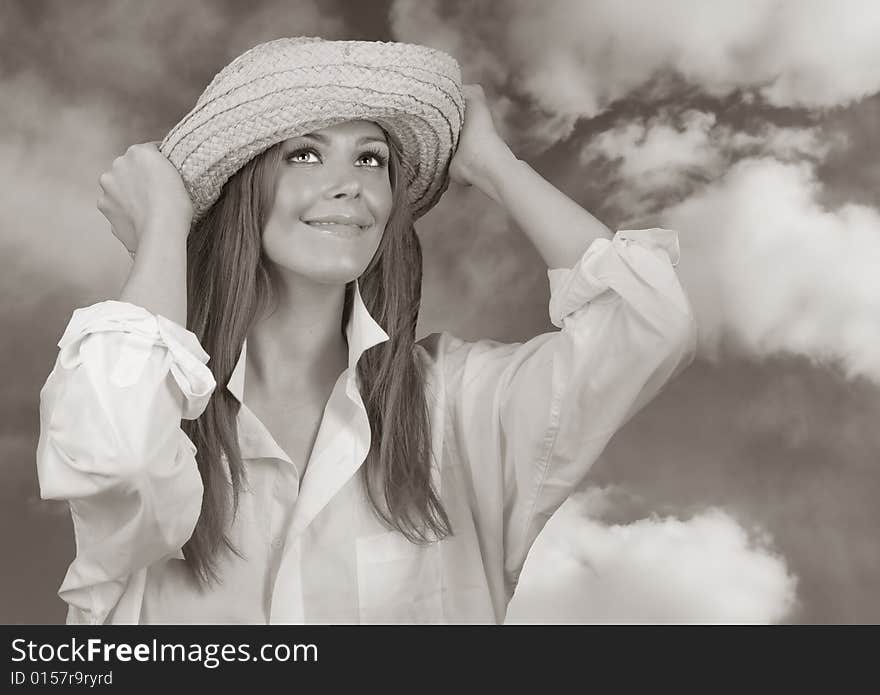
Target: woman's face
column 332, row 202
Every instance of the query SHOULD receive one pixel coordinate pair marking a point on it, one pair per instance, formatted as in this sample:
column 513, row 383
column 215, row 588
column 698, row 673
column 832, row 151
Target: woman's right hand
column 142, row 193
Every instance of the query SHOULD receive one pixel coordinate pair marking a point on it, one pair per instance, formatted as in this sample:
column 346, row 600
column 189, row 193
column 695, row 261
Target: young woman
column 342, row 472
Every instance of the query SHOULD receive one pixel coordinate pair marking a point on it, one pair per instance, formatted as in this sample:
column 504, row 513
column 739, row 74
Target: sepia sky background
column 747, row 491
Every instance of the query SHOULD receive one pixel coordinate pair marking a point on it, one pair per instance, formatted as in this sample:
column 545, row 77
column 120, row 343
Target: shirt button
column 277, row 542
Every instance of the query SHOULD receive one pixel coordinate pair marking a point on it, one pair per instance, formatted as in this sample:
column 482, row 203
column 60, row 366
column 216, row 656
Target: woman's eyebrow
column 360, row 141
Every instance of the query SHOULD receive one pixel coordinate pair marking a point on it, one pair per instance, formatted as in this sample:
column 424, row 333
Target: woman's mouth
column 338, row 229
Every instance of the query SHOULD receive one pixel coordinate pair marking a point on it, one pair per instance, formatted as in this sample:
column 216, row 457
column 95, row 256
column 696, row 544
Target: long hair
column 229, row 287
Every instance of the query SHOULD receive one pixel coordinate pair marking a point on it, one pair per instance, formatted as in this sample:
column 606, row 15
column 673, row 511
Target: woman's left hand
column 478, row 143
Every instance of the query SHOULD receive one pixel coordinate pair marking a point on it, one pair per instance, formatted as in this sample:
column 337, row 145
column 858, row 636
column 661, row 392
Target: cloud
column 667, row 156
column 775, row 442
column 150, row 59
column 704, row 569
column 49, row 223
column 769, row 269
column 571, row 59
column 769, row 265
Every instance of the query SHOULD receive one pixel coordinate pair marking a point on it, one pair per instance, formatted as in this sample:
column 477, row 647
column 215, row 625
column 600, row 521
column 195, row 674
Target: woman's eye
column 379, row 159
column 294, row 156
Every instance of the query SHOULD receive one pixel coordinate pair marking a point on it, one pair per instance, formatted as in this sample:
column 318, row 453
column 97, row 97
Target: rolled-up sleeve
column 112, row 446
column 531, row 418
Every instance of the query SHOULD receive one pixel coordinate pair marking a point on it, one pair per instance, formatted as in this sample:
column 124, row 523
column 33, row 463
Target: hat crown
column 302, row 52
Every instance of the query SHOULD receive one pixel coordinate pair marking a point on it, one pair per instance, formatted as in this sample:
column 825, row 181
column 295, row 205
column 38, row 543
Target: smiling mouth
column 338, row 229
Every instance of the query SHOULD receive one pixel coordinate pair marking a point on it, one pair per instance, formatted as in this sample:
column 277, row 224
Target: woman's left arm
column 560, row 229
column 529, row 419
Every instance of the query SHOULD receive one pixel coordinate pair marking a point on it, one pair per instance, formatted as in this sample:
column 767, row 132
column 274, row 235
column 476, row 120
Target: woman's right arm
column 146, row 203
column 110, row 443
column 157, row 281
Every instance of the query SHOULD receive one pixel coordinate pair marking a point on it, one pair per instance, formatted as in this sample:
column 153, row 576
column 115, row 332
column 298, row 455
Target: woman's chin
column 338, row 271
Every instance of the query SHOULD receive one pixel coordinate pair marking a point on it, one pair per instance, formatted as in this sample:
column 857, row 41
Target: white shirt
column 515, row 429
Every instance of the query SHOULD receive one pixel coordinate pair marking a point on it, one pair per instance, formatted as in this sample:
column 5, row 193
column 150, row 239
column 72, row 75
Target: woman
column 345, row 472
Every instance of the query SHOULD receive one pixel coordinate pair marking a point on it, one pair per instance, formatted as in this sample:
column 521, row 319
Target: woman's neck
column 300, row 348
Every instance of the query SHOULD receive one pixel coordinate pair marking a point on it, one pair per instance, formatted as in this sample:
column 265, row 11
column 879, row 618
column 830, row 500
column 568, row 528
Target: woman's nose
column 343, row 184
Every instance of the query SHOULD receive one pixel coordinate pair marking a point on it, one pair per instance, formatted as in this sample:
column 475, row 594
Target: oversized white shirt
column 514, row 427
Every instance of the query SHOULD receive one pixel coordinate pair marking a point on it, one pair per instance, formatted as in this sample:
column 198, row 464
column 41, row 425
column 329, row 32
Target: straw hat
column 293, row 86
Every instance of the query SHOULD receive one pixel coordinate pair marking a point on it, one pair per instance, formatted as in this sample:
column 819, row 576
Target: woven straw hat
column 293, row 86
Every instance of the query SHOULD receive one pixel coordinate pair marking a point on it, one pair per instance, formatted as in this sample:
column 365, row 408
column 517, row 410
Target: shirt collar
column 361, row 330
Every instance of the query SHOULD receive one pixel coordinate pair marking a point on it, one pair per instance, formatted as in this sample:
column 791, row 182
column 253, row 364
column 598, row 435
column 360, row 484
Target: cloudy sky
column 747, row 491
